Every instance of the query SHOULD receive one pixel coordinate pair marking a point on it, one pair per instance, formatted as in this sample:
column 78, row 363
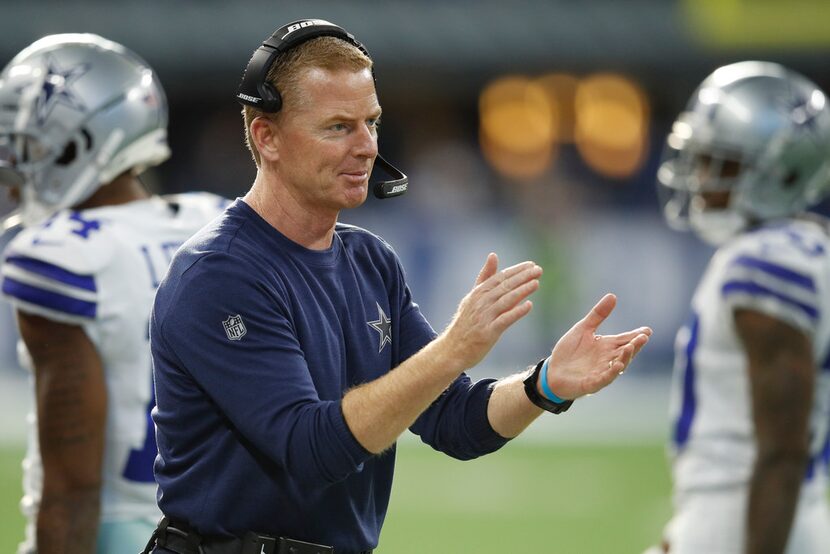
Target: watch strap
column 532, row 392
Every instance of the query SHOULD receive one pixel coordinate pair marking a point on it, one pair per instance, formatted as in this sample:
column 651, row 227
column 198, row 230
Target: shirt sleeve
column 230, row 331
column 778, row 280
column 53, row 270
column 457, row 424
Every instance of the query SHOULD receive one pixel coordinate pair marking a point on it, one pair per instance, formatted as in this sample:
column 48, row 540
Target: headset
column 256, row 91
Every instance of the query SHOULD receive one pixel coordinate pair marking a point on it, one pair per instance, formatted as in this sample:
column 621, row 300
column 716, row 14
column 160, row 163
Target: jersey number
column 158, row 259
column 139, row 466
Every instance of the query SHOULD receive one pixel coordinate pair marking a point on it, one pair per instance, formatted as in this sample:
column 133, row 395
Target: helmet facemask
column 705, row 181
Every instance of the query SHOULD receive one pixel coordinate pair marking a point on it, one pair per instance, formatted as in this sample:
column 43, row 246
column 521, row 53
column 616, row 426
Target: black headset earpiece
column 256, row 91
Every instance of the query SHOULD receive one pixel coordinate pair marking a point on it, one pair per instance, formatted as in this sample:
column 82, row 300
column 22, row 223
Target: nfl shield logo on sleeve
column 234, row 327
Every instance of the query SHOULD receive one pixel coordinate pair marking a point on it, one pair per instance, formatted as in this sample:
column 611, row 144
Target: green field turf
column 11, row 521
column 527, row 498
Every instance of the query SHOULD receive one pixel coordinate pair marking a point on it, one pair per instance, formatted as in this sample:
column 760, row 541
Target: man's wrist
column 441, row 354
column 544, row 387
column 544, row 399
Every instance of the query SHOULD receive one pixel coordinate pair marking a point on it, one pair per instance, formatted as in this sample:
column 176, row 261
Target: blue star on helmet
column 57, row 89
column 383, row 325
column 802, row 112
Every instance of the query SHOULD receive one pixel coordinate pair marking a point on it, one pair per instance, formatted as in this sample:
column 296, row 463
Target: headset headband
column 255, row 90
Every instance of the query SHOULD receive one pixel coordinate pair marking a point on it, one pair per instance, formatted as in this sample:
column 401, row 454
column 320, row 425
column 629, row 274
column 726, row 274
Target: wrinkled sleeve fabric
column 232, row 333
column 456, row 423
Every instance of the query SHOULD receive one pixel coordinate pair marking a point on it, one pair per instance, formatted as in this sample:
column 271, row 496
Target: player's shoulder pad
column 797, row 245
column 80, row 242
column 51, row 269
column 778, row 270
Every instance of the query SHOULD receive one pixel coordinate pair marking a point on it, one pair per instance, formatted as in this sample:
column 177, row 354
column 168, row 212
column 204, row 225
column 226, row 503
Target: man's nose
column 366, row 142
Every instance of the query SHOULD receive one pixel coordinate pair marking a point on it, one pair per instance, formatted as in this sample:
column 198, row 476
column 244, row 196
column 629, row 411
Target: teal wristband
column 543, row 377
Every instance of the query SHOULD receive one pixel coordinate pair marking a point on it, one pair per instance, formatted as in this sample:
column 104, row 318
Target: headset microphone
column 394, row 187
column 257, row 92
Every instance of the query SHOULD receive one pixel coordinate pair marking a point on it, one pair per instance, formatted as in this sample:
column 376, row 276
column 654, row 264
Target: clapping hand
column 583, row 362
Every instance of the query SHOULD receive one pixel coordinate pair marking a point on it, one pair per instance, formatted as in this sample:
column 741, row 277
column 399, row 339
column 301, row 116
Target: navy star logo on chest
column 383, row 325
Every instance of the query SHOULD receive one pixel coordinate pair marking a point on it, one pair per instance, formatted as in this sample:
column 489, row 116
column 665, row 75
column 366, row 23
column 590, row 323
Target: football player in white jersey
column 751, row 391
column 80, row 118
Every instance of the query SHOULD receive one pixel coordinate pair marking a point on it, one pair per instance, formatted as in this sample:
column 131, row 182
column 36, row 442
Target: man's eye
column 339, row 127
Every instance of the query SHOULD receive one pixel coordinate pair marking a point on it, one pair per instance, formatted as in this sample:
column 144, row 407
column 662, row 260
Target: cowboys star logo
column 383, row 325
column 57, row 89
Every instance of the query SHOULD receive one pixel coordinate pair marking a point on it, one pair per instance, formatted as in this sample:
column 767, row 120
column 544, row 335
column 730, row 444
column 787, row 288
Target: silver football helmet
column 756, row 131
column 76, row 111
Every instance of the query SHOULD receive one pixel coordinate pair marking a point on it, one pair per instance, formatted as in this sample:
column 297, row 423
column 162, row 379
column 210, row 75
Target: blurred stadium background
column 531, row 128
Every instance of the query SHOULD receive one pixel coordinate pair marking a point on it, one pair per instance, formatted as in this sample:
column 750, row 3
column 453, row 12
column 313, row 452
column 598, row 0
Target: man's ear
column 266, row 138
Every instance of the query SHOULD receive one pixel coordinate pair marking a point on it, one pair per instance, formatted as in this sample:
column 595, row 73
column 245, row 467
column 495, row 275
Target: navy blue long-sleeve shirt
column 255, row 340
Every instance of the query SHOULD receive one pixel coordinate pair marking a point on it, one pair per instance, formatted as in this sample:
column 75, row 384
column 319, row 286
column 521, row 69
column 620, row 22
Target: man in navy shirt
column 288, row 352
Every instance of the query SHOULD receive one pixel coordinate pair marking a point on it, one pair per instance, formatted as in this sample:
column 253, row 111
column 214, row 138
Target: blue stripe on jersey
column 755, row 289
column 689, row 406
column 818, row 459
column 824, row 455
column 48, row 299
column 51, row 271
column 778, row 271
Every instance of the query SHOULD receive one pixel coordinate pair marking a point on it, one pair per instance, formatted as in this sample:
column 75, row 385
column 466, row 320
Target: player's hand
column 497, row 301
column 583, row 362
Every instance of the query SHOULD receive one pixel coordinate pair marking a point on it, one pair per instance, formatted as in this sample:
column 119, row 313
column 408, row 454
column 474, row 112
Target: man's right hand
column 497, row 301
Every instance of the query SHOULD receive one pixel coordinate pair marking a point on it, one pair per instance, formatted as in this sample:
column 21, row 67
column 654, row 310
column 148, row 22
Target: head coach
column 289, row 354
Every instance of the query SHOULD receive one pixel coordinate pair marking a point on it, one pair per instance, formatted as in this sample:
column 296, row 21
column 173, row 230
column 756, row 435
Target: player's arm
column 782, row 373
column 71, row 398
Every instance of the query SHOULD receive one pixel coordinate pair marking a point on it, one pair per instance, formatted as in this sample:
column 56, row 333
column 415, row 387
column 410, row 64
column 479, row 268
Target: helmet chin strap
column 34, row 209
column 84, row 185
column 32, row 212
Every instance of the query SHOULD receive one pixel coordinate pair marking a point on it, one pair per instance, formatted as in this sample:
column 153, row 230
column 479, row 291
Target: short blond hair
column 327, row 53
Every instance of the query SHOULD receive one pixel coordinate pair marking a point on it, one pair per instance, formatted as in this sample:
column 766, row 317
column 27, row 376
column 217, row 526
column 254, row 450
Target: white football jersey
column 782, row 270
column 99, row 268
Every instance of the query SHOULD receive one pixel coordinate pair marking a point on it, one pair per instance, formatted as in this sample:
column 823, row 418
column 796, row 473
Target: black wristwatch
column 533, row 394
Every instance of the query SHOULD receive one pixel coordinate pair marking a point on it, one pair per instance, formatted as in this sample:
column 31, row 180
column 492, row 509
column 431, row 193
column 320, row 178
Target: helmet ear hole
column 791, row 178
column 70, row 152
